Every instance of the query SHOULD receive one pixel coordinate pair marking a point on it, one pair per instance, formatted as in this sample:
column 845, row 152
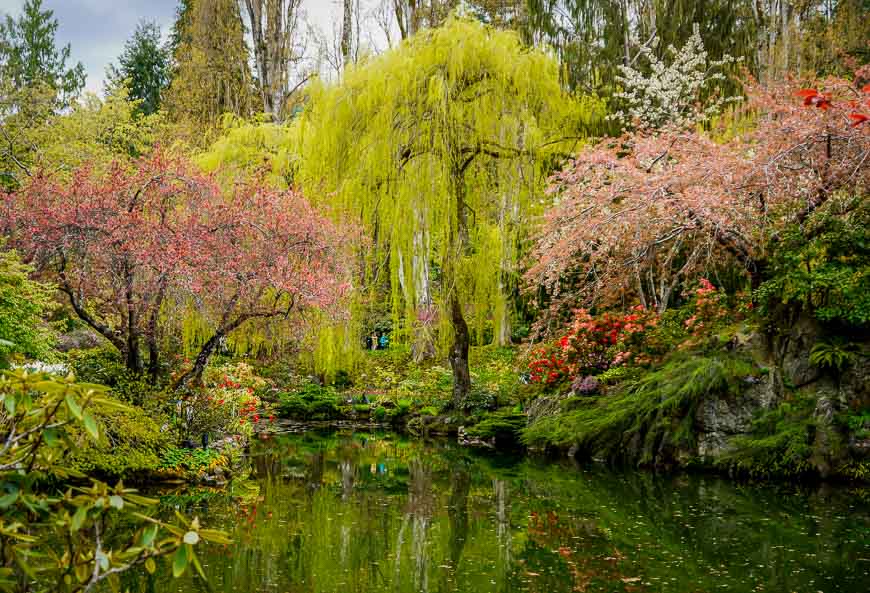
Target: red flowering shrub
column 228, row 403
column 593, row 344
column 548, row 365
column 709, row 306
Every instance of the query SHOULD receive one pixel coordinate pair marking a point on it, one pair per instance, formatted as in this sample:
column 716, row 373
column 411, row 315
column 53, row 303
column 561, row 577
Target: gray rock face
column 794, row 352
column 719, row 420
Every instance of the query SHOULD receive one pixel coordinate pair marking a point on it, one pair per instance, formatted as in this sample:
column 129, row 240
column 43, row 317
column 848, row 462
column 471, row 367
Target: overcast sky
column 97, row 29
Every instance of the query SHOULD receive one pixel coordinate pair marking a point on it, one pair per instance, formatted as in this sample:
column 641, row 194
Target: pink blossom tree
column 125, row 244
column 636, row 217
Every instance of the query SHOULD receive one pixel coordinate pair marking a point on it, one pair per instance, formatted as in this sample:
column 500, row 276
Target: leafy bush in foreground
column 55, row 536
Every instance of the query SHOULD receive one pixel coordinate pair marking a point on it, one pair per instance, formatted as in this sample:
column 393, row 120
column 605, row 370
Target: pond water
column 361, row 512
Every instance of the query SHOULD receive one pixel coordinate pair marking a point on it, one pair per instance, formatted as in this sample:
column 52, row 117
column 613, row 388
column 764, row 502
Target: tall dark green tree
column 211, row 75
column 30, row 58
column 144, row 66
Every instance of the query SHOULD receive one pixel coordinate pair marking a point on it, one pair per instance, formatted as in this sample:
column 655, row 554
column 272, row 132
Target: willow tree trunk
column 423, row 347
column 459, row 352
column 458, row 356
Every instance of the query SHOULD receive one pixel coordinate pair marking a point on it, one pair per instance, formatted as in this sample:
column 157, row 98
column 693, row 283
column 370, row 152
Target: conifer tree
column 211, row 75
column 29, row 55
column 144, row 66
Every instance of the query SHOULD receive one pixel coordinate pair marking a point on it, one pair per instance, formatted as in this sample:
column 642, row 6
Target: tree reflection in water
column 374, row 513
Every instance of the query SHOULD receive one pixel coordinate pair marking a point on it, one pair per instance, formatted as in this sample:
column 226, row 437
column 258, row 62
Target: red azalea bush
column 548, row 365
column 594, row 344
column 228, row 403
column 709, row 306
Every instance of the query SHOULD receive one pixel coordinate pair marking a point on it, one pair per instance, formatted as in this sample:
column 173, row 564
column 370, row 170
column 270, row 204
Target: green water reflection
column 377, row 513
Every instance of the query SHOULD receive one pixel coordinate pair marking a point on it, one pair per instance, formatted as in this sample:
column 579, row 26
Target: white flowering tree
column 678, row 94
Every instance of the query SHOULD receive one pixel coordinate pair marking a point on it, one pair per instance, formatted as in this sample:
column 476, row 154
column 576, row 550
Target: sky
column 97, row 29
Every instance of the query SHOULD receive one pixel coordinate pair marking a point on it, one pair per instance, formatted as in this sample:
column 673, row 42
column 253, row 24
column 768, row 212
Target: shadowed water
column 374, row 512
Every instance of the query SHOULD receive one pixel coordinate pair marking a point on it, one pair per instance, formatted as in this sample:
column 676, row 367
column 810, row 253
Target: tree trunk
column 153, row 350
column 461, row 340
column 423, row 347
column 194, row 375
column 459, row 353
column 134, row 357
column 347, row 33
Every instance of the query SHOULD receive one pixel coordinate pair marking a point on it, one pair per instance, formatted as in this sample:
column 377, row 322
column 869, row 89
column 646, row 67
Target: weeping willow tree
column 439, row 148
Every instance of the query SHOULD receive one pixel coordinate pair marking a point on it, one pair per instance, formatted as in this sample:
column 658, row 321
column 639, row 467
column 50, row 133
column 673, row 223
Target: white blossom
column 671, row 94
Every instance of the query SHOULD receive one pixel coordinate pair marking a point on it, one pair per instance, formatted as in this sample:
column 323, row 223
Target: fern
column 834, row 355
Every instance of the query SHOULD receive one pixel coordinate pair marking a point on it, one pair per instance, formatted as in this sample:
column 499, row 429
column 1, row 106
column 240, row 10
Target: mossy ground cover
column 633, row 419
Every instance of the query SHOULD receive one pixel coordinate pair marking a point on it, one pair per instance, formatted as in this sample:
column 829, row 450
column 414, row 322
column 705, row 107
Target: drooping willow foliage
column 439, row 149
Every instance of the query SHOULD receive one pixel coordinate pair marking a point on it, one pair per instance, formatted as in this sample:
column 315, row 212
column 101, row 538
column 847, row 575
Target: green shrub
column 324, row 409
column 829, row 273
column 129, row 445
column 835, row 354
column 23, row 304
column 310, row 402
column 104, row 366
column 478, row 400
column 291, row 405
column 380, row 414
column 190, row 462
column 505, row 425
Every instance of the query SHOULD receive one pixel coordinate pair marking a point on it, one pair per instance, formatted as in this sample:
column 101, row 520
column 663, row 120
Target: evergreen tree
column 211, row 75
column 30, row 57
column 143, row 66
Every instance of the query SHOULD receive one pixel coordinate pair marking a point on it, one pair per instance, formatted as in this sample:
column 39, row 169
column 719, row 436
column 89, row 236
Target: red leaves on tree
column 815, row 98
column 125, row 243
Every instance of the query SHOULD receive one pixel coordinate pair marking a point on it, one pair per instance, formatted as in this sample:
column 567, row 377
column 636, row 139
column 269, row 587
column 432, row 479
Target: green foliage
column 104, row 365
column 97, row 131
column 29, row 55
column 478, row 400
column 23, row 305
column 858, row 423
column 54, row 542
column 458, row 126
column 144, row 67
column 311, row 402
column 495, row 371
column 190, row 462
column 824, row 266
column 631, row 423
column 835, row 354
column 129, row 447
column 211, row 74
column 780, row 443
column 615, row 375
column 504, row 425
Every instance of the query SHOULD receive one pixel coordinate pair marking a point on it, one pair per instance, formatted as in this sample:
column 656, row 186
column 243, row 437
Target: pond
column 364, row 512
